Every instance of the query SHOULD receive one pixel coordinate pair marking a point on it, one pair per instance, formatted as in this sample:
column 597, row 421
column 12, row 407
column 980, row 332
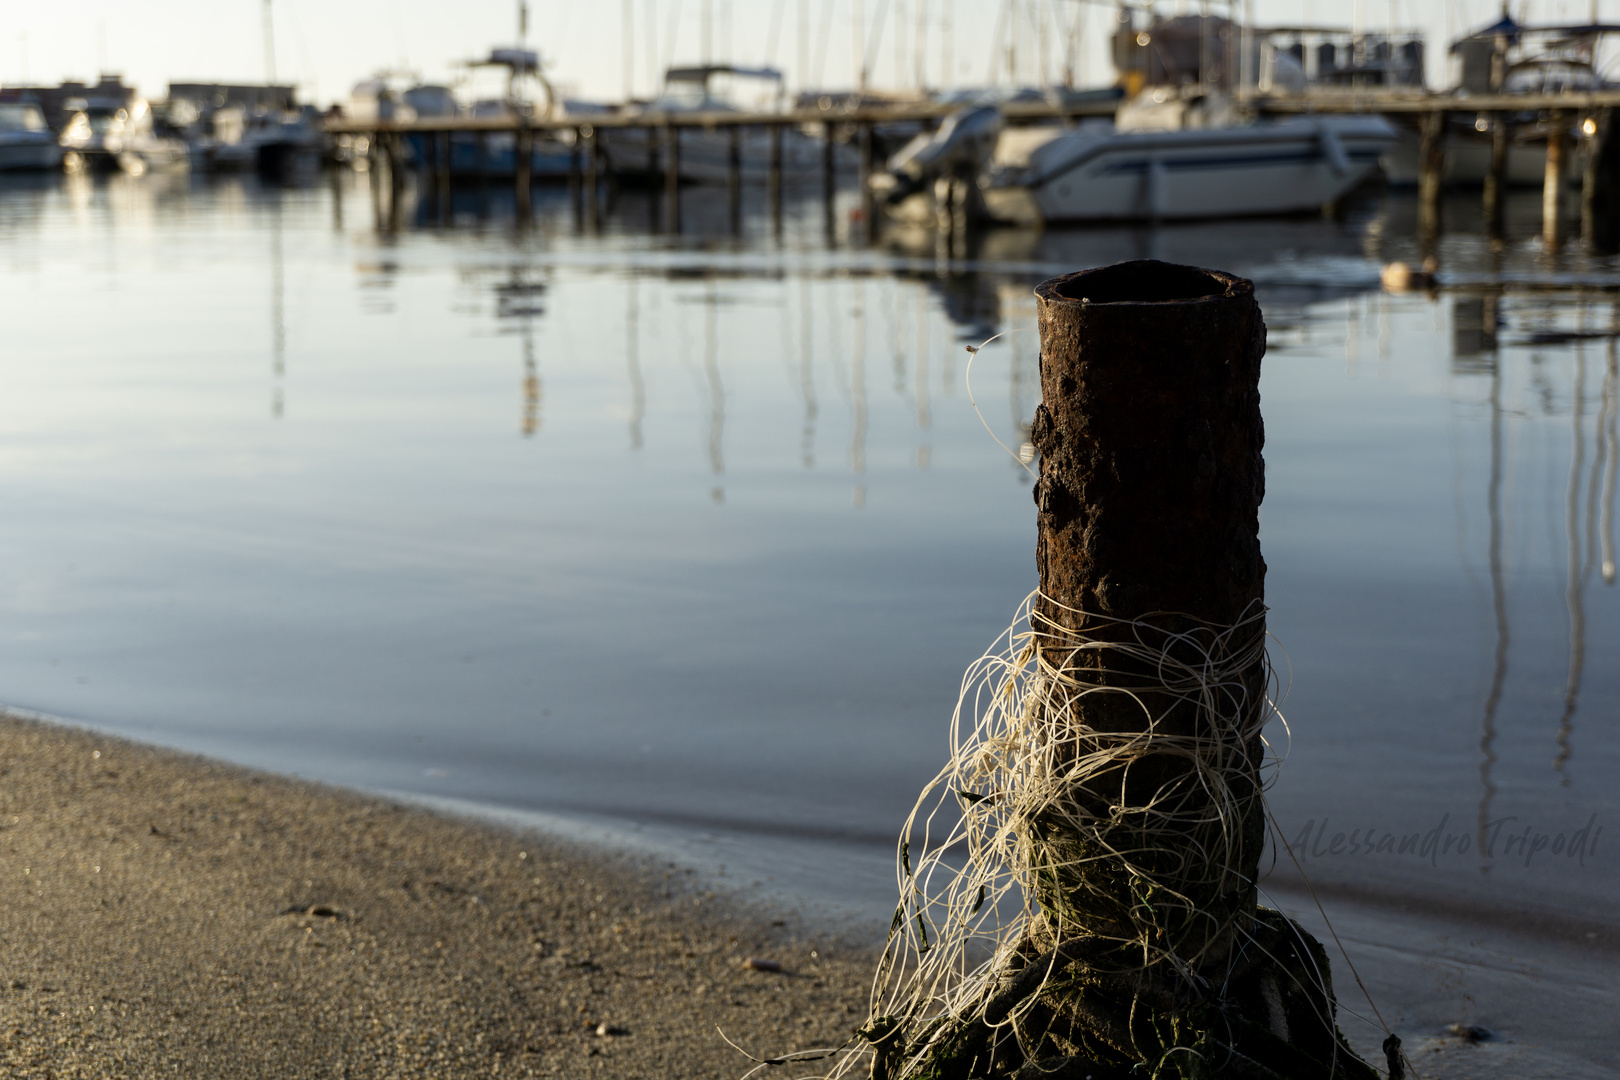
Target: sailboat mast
column 269, row 48
column 629, row 51
column 857, row 27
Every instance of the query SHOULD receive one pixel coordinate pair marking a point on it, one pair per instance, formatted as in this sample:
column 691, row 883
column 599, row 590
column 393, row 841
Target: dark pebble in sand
column 1472, row 1032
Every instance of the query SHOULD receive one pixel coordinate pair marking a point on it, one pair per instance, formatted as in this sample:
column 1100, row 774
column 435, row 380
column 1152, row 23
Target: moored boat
column 1169, row 157
column 26, row 141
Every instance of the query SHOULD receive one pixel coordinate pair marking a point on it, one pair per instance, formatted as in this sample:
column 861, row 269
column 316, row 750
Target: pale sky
column 328, row 45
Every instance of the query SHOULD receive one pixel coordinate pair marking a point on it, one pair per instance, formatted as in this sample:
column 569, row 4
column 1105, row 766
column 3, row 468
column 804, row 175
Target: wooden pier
column 1588, row 114
column 663, row 131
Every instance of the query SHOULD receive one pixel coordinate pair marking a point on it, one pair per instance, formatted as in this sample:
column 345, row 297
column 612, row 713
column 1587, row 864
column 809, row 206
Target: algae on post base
column 1079, row 883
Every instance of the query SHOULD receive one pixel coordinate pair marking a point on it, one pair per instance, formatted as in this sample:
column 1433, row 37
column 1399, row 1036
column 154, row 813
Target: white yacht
column 1172, row 155
column 26, row 141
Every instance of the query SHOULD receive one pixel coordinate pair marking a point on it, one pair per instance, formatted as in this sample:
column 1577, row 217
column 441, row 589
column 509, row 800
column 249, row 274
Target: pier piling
column 773, row 179
column 829, row 181
column 672, row 178
column 1496, row 179
column 1600, row 185
column 1552, row 182
column 393, row 186
column 1431, row 173
column 593, row 215
column 868, row 152
column 734, row 179
column 522, row 163
column 441, row 156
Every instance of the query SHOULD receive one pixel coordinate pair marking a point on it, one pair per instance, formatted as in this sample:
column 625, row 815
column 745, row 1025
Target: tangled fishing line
column 1020, row 886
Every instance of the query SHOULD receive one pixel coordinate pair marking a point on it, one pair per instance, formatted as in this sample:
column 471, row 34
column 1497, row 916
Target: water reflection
column 1356, row 381
column 519, row 300
column 717, row 394
column 1534, row 324
column 857, row 393
column 278, row 314
column 1611, row 459
column 807, row 375
column 632, row 359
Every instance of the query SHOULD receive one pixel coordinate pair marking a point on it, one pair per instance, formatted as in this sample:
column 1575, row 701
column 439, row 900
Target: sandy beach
column 169, row 915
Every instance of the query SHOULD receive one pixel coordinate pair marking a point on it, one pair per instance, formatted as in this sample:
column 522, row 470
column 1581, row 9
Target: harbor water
column 690, row 537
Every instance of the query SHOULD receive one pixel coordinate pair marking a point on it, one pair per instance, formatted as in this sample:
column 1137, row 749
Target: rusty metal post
column 1151, row 477
column 1552, row 180
column 1496, row 180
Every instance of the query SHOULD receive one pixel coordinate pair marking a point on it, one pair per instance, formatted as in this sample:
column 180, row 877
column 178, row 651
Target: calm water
column 697, row 536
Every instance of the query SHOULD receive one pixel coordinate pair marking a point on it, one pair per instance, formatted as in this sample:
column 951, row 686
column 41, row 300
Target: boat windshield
column 16, row 116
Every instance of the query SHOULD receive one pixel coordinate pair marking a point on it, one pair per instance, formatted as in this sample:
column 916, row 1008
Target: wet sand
column 166, row 914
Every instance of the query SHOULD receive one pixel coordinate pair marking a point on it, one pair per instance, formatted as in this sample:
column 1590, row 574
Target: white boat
column 1468, row 158
column 26, row 141
column 84, row 136
column 1172, row 157
column 134, row 141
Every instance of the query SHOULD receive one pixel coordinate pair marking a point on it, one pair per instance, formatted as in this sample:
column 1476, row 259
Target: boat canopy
column 517, row 59
column 702, row 74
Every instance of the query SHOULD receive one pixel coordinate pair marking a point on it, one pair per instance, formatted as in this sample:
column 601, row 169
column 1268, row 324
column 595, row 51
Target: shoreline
column 165, row 911
column 169, row 912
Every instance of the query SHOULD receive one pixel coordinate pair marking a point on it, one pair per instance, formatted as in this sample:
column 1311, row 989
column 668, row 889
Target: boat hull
column 30, row 154
column 1468, row 160
column 1246, row 171
column 706, row 155
column 495, row 158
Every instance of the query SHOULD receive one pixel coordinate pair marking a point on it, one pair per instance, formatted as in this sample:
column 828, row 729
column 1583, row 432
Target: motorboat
column 1180, row 155
column 272, row 142
column 139, row 145
column 26, row 141
column 84, row 137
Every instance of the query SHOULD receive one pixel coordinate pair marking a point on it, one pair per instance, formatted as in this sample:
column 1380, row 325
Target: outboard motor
column 960, row 147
